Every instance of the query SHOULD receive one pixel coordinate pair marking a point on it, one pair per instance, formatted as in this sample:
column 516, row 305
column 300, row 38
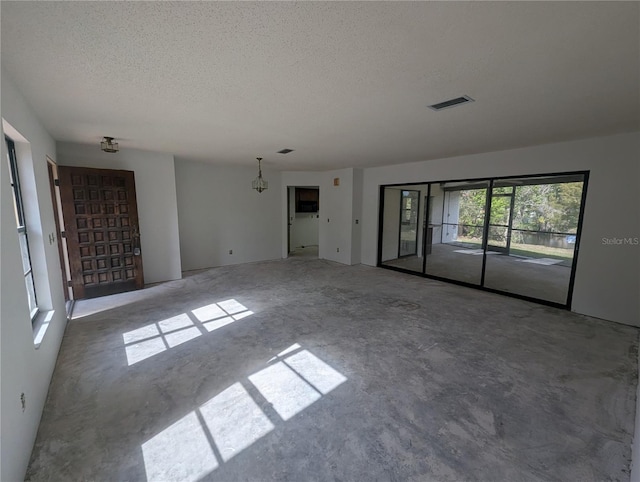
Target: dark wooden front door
column 101, row 228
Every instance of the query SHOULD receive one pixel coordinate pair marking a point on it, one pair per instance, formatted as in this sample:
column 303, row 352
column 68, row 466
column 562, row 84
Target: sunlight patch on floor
column 284, row 389
column 180, row 452
column 233, row 420
column 154, row 338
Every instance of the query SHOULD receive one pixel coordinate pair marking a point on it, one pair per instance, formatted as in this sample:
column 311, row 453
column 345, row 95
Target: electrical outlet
column 337, row 250
column 231, row 251
column 23, row 401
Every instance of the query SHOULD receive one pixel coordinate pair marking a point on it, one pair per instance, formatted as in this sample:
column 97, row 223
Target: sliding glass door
column 516, row 235
column 538, row 260
column 402, row 238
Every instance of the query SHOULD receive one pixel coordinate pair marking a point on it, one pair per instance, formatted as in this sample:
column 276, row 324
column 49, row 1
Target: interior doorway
column 303, row 221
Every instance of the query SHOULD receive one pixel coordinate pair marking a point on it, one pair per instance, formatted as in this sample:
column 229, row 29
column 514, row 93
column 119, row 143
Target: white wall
column 218, row 212
column 339, row 215
column 608, row 276
column 356, row 215
column 156, row 197
column 25, row 369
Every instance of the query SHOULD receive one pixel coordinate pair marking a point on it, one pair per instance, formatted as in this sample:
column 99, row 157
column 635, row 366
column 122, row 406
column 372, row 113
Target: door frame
column 58, row 216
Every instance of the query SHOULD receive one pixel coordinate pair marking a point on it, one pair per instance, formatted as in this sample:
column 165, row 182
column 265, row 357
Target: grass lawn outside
column 528, row 250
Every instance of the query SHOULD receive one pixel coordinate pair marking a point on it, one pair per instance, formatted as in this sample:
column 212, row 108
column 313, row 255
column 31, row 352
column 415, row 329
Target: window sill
column 40, row 326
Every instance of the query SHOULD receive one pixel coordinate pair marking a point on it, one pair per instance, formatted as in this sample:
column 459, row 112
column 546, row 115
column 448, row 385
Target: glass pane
column 501, row 190
column 538, row 251
column 500, row 219
column 24, row 249
column 31, row 294
column 500, row 210
column 409, row 223
column 537, row 245
column 548, row 207
column 402, row 231
column 497, row 237
column 455, row 230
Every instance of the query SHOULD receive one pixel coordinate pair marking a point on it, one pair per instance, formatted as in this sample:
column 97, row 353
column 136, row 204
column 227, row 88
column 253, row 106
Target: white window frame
column 22, row 229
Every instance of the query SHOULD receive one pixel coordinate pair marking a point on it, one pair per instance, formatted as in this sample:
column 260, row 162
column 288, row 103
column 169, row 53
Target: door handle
column 135, row 234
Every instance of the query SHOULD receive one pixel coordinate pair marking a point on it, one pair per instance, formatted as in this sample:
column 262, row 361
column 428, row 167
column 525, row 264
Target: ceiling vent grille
column 451, row 103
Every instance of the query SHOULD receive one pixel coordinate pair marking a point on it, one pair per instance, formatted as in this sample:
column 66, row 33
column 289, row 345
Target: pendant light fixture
column 259, row 184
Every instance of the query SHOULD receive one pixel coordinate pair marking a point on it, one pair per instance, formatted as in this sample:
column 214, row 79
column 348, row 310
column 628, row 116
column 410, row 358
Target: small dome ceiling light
column 107, row 145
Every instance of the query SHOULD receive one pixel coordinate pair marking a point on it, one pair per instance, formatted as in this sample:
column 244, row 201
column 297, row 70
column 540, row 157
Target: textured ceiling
column 345, row 84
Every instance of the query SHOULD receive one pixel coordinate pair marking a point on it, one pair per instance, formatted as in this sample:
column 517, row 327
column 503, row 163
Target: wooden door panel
column 101, row 224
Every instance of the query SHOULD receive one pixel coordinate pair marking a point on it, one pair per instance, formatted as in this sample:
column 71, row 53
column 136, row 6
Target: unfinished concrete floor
column 309, row 252
column 304, row 369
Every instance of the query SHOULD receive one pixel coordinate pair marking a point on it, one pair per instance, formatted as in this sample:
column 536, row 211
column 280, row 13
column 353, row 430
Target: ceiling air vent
column 285, row 151
column 451, row 103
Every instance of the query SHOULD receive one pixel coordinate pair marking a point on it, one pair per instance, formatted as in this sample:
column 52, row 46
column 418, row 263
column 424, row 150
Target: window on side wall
column 22, row 229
